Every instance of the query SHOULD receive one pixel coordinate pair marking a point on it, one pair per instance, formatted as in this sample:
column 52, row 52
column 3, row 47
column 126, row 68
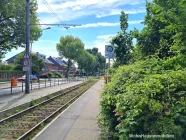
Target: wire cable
column 52, row 11
column 55, row 15
column 51, row 28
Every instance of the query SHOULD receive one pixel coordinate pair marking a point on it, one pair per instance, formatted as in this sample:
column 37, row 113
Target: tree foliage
column 13, row 24
column 164, row 32
column 148, row 95
column 100, row 60
column 71, row 48
column 86, row 61
column 123, row 41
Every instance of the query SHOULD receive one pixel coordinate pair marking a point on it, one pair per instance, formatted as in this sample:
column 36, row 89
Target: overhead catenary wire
column 52, row 11
column 57, row 17
column 51, row 28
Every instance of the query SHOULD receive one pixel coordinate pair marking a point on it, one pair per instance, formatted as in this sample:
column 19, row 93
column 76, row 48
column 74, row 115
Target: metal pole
column 27, row 83
column 31, row 58
column 107, row 69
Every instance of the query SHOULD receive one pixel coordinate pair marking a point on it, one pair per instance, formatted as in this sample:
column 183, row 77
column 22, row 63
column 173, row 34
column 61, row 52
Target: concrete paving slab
column 82, row 134
column 78, row 122
column 84, row 123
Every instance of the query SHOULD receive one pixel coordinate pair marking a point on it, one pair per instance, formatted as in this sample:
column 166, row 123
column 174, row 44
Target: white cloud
column 99, row 24
column 105, row 37
column 74, row 9
column 101, row 41
column 106, row 24
column 118, row 12
column 135, row 22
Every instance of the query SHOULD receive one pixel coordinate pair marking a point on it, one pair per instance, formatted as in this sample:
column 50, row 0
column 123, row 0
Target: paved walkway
column 78, row 122
column 11, row 100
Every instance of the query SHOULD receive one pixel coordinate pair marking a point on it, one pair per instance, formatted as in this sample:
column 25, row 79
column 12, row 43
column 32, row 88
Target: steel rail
column 32, row 107
column 25, row 135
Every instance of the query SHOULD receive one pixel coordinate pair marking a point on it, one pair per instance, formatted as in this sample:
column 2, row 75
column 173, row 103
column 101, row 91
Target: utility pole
column 27, row 81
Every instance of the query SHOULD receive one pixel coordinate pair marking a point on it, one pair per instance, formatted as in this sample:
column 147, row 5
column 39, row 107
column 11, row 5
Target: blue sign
column 109, row 51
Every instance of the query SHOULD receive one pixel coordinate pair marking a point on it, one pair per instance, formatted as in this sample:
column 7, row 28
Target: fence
column 10, row 75
column 6, row 88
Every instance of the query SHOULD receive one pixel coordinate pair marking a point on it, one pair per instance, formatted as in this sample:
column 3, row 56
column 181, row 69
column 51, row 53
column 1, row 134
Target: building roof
column 11, row 59
column 42, row 56
column 57, row 61
column 48, row 61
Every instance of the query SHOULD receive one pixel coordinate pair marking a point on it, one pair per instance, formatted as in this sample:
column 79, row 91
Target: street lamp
column 46, row 28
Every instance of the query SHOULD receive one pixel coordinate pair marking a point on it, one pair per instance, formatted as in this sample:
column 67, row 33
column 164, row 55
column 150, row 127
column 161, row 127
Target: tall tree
column 86, row 61
column 13, row 24
column 100, row 60
column 123, row 41
column 165, row 29
column 71, row 48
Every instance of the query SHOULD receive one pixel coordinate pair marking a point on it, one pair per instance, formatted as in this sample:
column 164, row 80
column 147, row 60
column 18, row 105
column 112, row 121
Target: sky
column 99, row 20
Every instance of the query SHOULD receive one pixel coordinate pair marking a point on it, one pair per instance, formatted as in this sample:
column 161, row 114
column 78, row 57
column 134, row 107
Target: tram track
column 26, row 123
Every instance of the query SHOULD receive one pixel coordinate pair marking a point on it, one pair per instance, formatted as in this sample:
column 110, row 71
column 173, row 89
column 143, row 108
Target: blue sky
column 99, row 21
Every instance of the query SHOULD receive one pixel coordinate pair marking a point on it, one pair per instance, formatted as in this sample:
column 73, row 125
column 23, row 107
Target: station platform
column 78, row 121
column 12, row 100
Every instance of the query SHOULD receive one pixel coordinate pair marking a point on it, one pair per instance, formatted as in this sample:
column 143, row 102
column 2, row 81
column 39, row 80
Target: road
column 6, row 88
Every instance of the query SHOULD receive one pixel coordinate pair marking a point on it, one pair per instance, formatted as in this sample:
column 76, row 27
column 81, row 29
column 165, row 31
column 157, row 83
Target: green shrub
column 51, row 75
column 58, row 75
column 55, row 75
column 70, row 75
column 10, row 71
column 144, row 98
column 6, row 67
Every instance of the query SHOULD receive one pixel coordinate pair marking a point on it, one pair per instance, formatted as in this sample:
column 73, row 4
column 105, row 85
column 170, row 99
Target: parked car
column 32, row 77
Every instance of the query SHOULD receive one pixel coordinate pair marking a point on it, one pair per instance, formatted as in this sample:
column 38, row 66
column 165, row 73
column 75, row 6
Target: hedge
column 10, row 71
column 145, row 98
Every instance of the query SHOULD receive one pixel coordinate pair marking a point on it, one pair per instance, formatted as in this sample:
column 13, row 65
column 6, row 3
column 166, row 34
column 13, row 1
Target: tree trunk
column 87, row 73
column 68, row 67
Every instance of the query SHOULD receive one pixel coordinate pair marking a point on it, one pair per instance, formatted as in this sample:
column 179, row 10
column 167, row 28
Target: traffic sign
column 109, row 51
column 26, row 56
column 25, row 63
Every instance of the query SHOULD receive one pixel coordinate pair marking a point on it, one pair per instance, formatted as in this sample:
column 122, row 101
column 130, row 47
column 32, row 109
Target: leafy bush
column 58, row 75
column 6, row 67
column 145, row 98
column 51, row 75
column 70, row 75
column 55, row 75
column 10, row 71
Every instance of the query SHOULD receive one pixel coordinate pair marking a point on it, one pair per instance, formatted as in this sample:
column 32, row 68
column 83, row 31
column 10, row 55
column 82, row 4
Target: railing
column 6, row 88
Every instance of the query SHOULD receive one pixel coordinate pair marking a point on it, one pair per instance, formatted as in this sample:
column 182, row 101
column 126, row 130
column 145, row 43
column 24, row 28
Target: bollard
column 45, row 82
column 50, row 82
